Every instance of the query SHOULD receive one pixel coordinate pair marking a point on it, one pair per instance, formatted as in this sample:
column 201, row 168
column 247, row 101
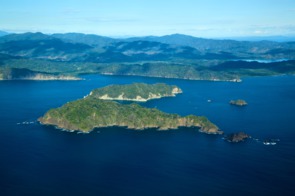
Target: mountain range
column 2, row 33
column 177, row 55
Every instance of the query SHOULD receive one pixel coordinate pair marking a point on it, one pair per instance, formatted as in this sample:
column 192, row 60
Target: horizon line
column 162, row 35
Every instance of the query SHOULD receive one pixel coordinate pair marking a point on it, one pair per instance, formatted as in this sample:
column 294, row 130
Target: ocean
column 42, row 160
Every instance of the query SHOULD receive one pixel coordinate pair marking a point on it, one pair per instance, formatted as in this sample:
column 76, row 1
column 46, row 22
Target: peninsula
column 136, row 92
column 26, row 74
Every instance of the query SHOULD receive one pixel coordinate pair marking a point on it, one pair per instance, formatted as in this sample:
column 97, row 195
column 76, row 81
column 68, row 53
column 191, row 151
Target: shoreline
column 157, row 129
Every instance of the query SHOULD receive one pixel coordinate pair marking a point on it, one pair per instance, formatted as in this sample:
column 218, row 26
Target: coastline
column 178, row 78
column 70, row 78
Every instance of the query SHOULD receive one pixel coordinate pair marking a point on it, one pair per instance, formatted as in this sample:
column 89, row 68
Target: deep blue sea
column 41, row 160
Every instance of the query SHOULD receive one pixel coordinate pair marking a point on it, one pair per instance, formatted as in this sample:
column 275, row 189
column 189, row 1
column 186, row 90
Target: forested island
column 89, row 113
column 93, row 112
column 136, row 92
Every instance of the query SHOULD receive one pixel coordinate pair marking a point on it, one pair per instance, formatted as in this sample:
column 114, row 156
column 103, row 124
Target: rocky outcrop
column 238, row 102
column 176, row 90
column 236, row 137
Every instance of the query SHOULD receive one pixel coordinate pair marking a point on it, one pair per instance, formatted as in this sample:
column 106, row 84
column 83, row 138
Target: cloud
column 260, row 32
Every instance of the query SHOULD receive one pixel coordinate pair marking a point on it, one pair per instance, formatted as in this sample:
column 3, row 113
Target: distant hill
column 214, row 45
column 142, row 51
column 257, row 45
column 264, row 38
column 2, row 33
column 93, row 48
column 40, row 46
column 89, row 39
column 171, row 56
column 25, row 37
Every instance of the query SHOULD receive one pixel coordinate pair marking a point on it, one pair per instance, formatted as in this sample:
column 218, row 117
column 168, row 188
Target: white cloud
column 260, row 32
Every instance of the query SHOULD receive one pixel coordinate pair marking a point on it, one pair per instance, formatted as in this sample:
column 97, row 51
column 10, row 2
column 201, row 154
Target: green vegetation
column 214, row 70
column 191, row 70
column 175, row 56
column 135, row 92
column 26, row 74
column 89, row 113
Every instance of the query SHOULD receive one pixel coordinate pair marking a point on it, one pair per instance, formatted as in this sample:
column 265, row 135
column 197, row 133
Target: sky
column 201, row 18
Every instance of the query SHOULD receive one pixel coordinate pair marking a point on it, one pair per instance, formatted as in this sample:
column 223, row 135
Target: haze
column 210, row 18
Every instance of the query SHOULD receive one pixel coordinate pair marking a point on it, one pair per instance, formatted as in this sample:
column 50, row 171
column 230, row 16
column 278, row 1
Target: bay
column 41, row 160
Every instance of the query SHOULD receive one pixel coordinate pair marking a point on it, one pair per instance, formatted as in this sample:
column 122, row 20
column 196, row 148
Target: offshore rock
column 236, row 137
column 238, row 102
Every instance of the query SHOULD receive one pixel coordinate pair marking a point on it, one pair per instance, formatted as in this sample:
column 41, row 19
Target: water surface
column 41, row 160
